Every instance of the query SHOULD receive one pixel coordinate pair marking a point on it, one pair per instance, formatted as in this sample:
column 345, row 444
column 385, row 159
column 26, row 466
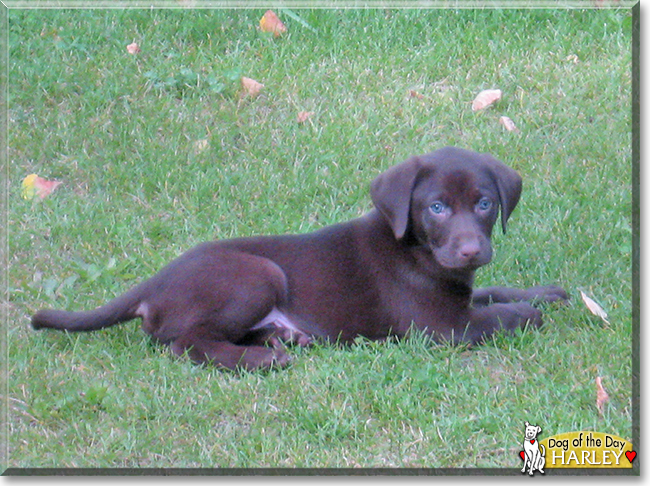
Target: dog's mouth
column 455, row 260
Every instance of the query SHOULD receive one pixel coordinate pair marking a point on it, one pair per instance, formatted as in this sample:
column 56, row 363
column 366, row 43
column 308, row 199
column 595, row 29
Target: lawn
column 159, row 150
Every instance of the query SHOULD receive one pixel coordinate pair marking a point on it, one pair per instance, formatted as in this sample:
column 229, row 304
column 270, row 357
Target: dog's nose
column 469, row 249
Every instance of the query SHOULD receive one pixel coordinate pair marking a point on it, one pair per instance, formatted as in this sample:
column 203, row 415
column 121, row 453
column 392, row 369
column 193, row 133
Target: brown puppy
column 410, row 261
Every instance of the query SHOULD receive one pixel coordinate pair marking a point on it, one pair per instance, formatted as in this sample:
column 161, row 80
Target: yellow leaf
column 29, row 191
column 271, row 23
column 34, row 185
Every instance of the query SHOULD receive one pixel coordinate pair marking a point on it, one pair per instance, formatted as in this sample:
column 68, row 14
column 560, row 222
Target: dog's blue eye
column 484, row 204
column 437, row 207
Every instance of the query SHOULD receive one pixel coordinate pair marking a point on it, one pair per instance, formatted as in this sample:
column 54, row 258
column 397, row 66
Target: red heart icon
column 630, row 455
column 532, row 441
column 522, row 454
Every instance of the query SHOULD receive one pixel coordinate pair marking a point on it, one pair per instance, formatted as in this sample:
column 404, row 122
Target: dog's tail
column 121, row 309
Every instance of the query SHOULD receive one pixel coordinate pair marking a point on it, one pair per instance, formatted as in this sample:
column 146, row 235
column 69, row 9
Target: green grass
column 126, row 136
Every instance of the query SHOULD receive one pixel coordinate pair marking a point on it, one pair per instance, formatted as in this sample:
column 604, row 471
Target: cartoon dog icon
column 535, row 459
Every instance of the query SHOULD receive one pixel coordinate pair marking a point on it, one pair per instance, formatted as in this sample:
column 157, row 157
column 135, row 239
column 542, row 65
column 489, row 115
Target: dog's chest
column 531, row 444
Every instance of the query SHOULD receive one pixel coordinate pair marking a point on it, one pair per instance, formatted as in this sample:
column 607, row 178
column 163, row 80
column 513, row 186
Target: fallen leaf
column 303, row 116
column 594, row 307
column 485, row 98
column 508, row 124
column 251, row 87
column 415, row 94
column 601, row 395
column 29, row 191
column 34, row 185
column 271, row 23
column 133, row 48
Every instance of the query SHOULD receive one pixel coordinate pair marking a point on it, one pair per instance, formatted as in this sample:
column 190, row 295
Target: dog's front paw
column 527, row 314
column 547, row 293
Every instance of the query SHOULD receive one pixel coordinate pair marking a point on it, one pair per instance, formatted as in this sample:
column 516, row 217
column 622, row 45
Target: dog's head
column 531, row 431
column 448, row 201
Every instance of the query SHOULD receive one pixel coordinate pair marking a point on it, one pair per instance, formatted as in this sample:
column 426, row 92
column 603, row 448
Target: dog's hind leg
column 542, row 459
column 203, row 347
column 276, row 336
column 219, row 298
column 206, row 343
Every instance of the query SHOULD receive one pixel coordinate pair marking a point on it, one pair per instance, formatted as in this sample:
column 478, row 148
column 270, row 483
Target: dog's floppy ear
column 508, row 184
column 391, row 194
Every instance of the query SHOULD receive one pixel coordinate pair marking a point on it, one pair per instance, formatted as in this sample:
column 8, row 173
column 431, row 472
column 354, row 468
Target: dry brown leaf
column 594, row 307
column 415, row 94
column 508, row 124
column 133, row 48
column 303, row 116
column 485, row 98
column 271, row 23
column 34, row 185
column 601, row 395
column 251, row 87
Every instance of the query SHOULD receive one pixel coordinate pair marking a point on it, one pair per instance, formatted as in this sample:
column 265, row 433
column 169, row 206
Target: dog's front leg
column 533, row 461
column 493, row 295
column 485, row 321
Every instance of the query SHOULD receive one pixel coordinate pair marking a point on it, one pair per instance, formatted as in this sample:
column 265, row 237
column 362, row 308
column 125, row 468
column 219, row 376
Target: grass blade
column 290, row 13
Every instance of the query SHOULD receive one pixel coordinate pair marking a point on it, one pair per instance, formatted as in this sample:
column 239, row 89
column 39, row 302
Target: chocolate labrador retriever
column 410, row 261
